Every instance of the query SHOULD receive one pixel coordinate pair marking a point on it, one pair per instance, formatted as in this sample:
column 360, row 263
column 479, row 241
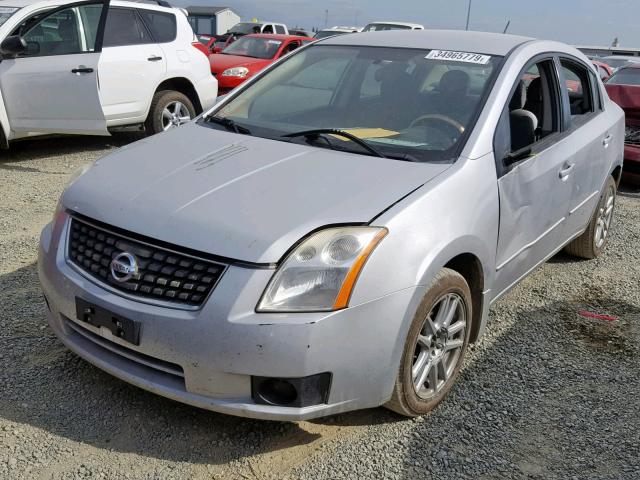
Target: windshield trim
column 456, row 151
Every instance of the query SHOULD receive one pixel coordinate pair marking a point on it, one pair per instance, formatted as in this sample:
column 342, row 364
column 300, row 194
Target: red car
column 248, row 55
column 623, row 88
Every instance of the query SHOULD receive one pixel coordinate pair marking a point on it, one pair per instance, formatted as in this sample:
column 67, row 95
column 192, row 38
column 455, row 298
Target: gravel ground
column 545, row 394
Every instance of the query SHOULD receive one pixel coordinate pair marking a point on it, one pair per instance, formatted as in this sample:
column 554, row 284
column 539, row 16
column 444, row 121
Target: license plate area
column 121, row 327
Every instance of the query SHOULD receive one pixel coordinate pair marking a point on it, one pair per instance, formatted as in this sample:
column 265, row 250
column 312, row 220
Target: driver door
column 53, row 86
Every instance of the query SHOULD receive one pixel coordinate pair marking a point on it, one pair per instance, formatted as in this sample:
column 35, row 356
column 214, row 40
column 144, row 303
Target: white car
column 91, row 67
column 247, row 28
column 378, row 26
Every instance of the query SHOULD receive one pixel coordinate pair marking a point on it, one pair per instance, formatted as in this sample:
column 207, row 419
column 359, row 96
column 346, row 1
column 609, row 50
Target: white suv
column 94, row 66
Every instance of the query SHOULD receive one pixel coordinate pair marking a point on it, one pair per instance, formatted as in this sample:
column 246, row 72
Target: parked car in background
column 332, row 235
column 205, row 43
column 246, row 28
column 330, row 32
column 377, row 26
column 623, row 88
column 248, row 55
column 617, row 61
column 58, row 75
column 604, row 70
column 300, row 33
column 207, row 40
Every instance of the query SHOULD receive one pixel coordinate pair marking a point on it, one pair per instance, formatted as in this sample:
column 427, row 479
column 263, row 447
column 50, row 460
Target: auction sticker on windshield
column 465, row 57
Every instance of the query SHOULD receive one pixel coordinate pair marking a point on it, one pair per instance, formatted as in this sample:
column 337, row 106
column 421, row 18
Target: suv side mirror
column 13, row 46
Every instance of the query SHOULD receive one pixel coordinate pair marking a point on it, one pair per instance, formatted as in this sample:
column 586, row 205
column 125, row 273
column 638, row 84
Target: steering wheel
column 450, row 122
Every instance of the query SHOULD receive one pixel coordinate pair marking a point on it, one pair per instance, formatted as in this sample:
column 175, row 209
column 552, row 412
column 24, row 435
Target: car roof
column 456, row 40
column 408, row 24
column 54, row 3
column 275, row 36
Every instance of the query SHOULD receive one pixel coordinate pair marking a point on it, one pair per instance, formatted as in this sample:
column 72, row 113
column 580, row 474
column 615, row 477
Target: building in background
column 212, row 20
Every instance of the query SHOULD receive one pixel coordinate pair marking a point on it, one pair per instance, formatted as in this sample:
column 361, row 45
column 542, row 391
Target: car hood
column 220, row 62
column 237, row 196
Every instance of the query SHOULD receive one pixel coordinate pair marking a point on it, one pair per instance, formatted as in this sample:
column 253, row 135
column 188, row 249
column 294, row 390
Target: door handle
column 82, row 69
column 154, row 58
column 606, row 140
column 566, row 170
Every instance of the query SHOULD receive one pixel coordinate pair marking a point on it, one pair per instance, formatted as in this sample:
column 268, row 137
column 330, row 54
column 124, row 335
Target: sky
column 583, row 22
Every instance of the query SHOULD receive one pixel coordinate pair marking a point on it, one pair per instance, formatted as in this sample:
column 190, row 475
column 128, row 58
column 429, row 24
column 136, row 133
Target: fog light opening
column 276, row 391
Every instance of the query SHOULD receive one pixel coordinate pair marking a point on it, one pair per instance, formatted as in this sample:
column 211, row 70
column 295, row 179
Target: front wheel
column 169, row 109
column 591, row 243
column 435, row 346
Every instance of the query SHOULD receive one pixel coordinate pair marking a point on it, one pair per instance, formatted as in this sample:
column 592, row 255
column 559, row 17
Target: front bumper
column 207, row 357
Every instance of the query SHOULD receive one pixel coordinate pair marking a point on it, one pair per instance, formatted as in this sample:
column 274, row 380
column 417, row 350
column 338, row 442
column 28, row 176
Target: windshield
column 376, row 27
column 627, row 76
column 254, row 47
column 245, row 28
column 6, row 12
column 327, row 33
column 402, row 102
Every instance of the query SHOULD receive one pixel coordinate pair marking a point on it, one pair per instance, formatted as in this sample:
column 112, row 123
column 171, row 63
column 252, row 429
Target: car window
column 267, row 29
column 256, row 47
column 375, row 93
column 578, row 88
column 280, row 29
column 162, row 25
column 123, row 27
column 626, row 76
column 67, row 31
column 532, row 113
column 290, row 48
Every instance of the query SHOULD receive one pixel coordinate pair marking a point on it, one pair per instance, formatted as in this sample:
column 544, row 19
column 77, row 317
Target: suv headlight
column 320, row 273
column 239, row 72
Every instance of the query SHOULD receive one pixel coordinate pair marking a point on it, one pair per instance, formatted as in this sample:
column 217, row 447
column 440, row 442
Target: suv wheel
column 435, row 346
column 169, row 109
column 591, row 243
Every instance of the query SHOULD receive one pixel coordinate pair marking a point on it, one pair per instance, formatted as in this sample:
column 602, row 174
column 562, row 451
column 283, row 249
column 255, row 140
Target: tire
column 167, row 100
column 592, row 242
column 448, row 286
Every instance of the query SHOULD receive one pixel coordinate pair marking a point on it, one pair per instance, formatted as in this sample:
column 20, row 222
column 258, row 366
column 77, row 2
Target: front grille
column 632, row 135
column 163, row 275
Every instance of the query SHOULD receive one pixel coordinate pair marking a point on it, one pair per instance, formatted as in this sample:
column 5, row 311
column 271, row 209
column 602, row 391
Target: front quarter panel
column 455, row 213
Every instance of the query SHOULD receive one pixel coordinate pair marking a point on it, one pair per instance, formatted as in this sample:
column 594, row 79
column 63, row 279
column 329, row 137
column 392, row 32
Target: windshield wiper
column 318, row 132
column 229, row 124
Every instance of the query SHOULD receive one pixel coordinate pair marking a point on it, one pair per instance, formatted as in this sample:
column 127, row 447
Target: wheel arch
column 617, row 174
column 184, row 86
column 470, row 267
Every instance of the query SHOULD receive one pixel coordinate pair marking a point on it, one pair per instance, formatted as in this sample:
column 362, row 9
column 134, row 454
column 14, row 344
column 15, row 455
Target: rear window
column 124, row 28
column 162, row 25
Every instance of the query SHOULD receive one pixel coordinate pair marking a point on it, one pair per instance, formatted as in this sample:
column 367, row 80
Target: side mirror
column 13, row 46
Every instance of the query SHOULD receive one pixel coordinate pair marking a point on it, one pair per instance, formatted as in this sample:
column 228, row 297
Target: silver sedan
column 332, row 234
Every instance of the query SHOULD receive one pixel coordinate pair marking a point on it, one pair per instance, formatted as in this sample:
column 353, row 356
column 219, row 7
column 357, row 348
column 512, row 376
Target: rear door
column 589, row 130
column 534, row 184
column 131, row 66
column 53, row 87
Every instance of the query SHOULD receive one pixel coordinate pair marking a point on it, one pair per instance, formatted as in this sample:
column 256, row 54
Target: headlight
column 321, row 272
column 239, row 72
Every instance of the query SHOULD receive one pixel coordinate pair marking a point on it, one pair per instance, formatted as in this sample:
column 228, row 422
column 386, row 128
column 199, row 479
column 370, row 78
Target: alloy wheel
column 439, row 346
column 605, row 215
column 174, row 115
